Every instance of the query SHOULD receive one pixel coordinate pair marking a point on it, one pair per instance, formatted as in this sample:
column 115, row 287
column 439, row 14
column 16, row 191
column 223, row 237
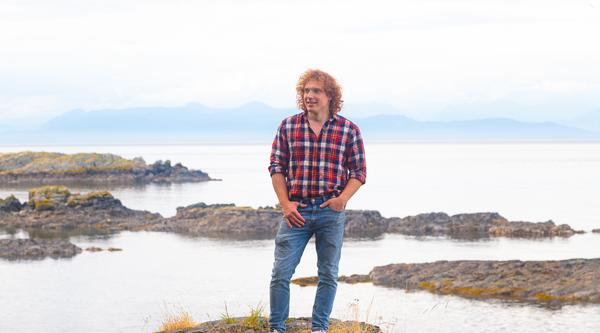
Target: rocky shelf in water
column 56, row 208
column 293, row 325
column 34, row 168
column 35, row 249
column 475, row 225
column 231, row 221
column 551, row 282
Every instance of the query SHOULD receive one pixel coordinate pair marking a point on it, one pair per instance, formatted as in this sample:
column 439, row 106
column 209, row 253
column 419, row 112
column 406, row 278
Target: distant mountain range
column 256, row 122
column 589, row 121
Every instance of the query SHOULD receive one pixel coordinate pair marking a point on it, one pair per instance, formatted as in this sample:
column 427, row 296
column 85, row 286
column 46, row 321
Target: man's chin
column 313, row 109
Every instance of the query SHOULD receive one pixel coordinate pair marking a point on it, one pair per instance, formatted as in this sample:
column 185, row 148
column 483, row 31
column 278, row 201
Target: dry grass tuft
column 256, row 318
column 177, row 321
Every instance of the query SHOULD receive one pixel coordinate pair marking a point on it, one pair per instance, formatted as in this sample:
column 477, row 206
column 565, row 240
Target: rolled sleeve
column 357, row 163
column 279, row 152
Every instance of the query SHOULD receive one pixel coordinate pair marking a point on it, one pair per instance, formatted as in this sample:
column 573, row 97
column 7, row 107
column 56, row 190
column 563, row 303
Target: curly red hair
column 332, row 89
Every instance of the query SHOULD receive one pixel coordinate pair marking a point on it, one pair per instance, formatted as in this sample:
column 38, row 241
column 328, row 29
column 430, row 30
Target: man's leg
column 329, row 234
column 289, row 246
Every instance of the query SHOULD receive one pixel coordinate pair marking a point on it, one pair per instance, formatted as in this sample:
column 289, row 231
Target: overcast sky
column 529, row 60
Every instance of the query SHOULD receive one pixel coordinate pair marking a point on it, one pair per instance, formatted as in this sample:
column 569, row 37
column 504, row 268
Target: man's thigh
column 329, row 235
column 289, row 244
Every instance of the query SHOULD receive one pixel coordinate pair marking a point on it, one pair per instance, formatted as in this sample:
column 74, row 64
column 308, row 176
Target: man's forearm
column 351, row 187
column 280, row 187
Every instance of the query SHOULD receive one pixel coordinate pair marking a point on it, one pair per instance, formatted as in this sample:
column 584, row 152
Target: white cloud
column 417, row 55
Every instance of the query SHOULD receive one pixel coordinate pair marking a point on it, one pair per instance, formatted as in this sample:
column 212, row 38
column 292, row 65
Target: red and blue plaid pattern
column 318, row 165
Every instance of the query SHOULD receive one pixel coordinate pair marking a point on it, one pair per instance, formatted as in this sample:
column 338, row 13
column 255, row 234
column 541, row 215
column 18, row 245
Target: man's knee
column 328, row 275
column 281, row 273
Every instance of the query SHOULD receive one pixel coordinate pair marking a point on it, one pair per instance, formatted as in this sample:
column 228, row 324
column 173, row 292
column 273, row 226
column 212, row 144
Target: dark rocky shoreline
column 56, row 209
column 475, row 225
column 549, row 282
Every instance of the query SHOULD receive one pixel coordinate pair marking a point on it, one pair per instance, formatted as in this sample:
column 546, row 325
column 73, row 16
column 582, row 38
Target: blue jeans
column 328, row 227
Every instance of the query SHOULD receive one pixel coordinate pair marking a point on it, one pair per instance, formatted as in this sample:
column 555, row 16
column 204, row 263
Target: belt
column 314, row 200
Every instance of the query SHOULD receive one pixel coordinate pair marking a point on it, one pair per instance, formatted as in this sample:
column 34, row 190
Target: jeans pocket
column 333, row 210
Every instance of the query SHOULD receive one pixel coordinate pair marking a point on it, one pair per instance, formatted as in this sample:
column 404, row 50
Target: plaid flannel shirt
column 318, row 165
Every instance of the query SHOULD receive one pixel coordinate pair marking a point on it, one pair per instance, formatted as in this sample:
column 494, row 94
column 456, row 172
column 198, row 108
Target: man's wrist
column 284, row 202
column 343, row 197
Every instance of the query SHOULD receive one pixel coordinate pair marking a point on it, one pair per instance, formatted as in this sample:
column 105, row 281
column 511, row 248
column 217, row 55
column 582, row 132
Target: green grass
column 226, row 317
column 254, row 319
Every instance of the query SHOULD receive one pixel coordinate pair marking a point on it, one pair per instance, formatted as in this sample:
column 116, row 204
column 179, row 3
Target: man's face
column 315, row 98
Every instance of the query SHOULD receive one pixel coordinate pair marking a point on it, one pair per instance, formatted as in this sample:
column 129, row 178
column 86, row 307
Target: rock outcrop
column 27, row 168
column 229, row 221
column 554, row 282
column 10, row 204
column 260, row 325
column 531, row 230
column 13, row 249
column 225, row 220
column 56, row 208
column 475, row 225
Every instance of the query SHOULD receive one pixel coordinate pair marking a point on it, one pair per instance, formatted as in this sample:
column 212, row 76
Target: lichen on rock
column 48, row 197
column 551, row 281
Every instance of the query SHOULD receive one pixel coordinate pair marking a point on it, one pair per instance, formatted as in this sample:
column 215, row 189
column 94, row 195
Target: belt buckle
column 312, row 201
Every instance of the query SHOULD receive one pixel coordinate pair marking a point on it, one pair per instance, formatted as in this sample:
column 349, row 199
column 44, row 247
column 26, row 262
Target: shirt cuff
column 359, row 175
column 273, row 169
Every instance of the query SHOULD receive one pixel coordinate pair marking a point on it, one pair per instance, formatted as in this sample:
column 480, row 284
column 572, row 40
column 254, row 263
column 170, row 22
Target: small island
column 34, row 168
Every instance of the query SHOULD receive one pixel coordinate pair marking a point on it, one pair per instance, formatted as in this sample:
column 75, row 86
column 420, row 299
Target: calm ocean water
column 131, row 291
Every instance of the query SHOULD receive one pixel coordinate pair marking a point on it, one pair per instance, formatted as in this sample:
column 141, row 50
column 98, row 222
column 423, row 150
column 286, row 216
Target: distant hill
column 589, row 121
column 256, row 122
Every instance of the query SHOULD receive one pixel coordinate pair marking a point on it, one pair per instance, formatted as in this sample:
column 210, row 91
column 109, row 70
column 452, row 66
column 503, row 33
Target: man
column 317, row 164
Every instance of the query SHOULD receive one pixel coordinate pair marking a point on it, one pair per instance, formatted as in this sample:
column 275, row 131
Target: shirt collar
column 332, row 116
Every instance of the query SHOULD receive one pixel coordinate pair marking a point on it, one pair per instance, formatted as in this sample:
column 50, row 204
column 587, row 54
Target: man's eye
column 314, row 90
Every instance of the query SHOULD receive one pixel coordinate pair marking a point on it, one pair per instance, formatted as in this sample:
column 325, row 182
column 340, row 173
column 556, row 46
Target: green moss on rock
column 48, row 197
column 88, row 198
